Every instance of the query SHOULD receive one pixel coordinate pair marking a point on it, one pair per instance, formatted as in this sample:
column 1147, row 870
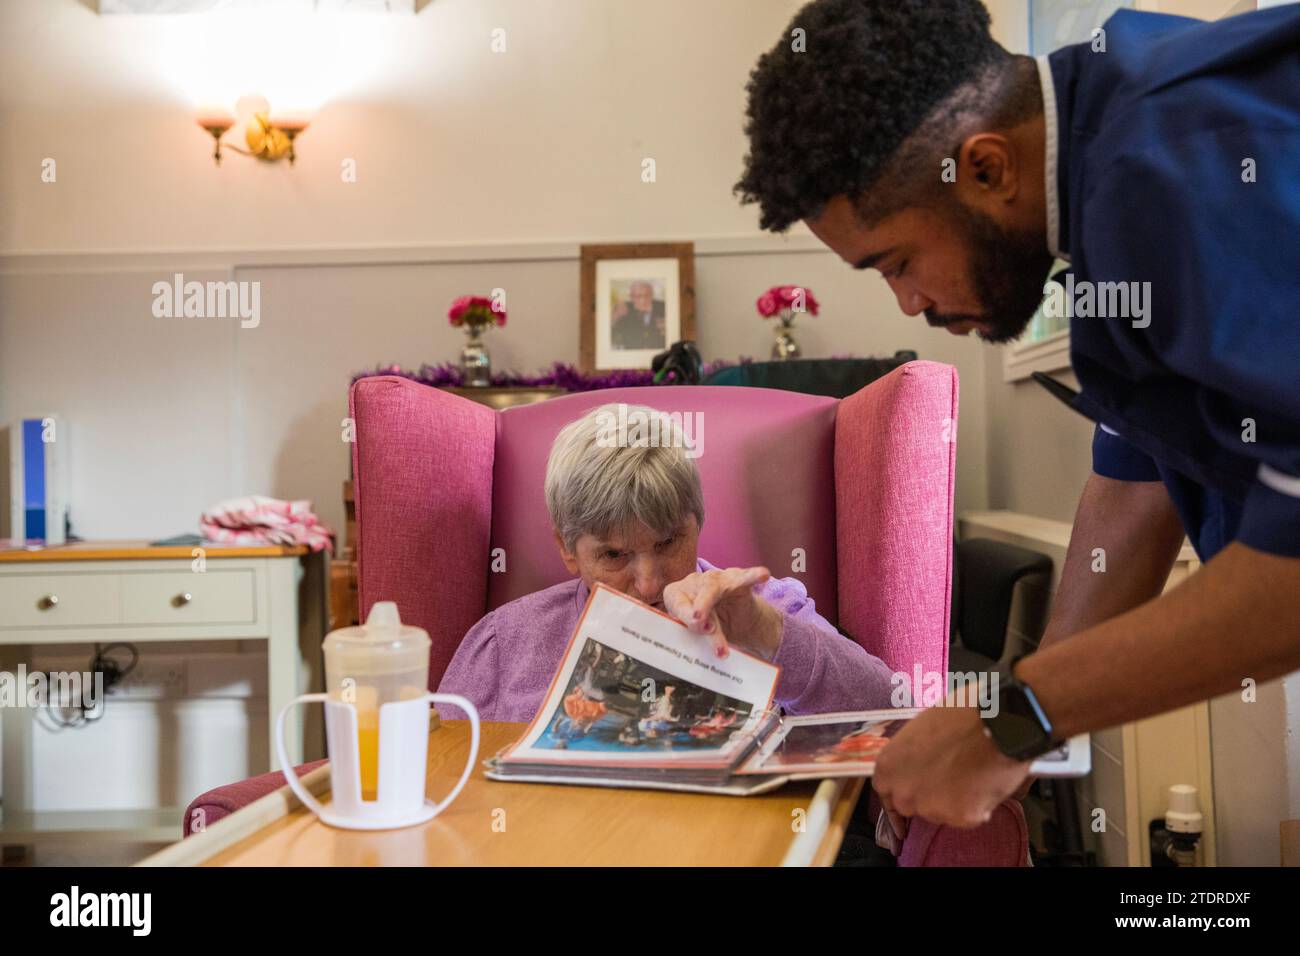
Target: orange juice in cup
column 368, row 752
column 377, row 726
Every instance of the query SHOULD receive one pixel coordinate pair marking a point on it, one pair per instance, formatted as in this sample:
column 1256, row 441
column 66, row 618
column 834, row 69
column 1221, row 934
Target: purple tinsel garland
column 561, row 375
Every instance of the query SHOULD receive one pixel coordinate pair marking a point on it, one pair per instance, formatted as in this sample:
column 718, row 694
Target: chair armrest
column 895, row 465
column 422, row 475
column 206, row 809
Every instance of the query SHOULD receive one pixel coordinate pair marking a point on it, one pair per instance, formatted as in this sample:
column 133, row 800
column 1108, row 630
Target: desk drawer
column 58, row 600
column 215, row 596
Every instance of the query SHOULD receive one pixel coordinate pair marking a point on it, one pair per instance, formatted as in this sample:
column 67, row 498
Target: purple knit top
column 506, row 661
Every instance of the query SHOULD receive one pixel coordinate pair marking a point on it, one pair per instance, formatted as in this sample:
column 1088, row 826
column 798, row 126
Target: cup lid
column 383, row 631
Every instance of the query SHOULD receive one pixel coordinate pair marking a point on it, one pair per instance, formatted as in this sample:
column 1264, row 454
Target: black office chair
column 838, row 378
column 985, row 576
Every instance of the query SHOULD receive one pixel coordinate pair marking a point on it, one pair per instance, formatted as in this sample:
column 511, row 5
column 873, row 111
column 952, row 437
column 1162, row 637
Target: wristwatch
column 1019, row 728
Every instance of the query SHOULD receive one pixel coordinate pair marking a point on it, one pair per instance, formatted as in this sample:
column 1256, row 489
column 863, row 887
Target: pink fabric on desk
column 258, row 520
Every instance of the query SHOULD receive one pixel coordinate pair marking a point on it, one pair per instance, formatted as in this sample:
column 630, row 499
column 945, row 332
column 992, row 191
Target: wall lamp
column 267, row 139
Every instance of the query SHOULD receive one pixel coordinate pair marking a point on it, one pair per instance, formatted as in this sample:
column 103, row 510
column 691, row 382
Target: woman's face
column 640, row 563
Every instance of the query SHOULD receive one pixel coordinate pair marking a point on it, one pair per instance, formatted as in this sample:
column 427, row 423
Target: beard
column 1008, row 271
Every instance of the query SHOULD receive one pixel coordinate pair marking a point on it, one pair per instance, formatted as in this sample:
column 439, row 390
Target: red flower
column 475, row 310
column 782, row 297
column 458, row 307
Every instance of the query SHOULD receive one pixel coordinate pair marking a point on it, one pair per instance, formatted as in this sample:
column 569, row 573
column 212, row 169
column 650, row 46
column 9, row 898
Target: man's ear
column 989, row 167
column 568, row 557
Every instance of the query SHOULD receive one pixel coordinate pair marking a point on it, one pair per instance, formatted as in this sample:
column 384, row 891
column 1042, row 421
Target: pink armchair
column 860, row 489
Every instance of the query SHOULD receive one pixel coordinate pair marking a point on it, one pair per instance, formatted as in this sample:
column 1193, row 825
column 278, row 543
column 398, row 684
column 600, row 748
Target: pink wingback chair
column 862, row 487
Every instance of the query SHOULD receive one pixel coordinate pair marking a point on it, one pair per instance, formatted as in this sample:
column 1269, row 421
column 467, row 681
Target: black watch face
column 1016, row 734
column 1016, row 729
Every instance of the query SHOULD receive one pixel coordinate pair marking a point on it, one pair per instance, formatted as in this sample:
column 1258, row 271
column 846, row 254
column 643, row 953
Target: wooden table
column 526, row 824
column 503, row 397
column 135, row 549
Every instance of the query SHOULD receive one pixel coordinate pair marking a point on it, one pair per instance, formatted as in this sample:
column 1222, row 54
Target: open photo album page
column 637, row 688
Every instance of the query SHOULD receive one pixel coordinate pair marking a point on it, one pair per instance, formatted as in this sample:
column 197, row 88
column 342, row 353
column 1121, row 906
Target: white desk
column 126, row 591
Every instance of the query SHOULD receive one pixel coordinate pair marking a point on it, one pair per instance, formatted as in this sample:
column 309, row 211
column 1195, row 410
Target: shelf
column 161, row 824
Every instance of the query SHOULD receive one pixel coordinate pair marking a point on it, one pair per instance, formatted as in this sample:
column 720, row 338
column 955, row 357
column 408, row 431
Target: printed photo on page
column 637, row 688
column 847, row 745
column 829, row 745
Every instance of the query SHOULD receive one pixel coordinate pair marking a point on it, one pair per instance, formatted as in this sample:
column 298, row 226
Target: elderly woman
column 629, row 516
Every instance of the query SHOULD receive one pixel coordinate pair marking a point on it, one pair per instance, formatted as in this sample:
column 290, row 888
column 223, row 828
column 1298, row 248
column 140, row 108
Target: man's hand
column 722, row 605
column 943, row 767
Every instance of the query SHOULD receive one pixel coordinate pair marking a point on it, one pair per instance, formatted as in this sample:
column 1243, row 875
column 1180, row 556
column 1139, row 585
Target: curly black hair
column 831, row 106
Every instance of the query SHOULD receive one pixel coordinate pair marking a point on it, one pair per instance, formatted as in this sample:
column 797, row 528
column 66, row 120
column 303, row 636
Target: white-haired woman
column 628, row 513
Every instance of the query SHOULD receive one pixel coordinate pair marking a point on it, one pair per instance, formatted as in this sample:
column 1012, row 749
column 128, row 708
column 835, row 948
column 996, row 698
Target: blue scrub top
column 1179, row 166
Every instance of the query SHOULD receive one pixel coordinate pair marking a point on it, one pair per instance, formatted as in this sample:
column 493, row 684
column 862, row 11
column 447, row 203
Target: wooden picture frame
column 636, row 299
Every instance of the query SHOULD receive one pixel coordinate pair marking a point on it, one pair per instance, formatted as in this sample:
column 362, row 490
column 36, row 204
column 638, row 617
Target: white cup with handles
column 377, row 726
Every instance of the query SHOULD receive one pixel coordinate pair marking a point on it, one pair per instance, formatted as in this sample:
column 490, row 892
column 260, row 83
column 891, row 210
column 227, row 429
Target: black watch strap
column 1019, row 729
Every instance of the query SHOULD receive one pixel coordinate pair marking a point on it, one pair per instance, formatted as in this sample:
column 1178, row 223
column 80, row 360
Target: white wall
column 475, row 170
column 453, row 143
column 167, row 416
column 1256, row 752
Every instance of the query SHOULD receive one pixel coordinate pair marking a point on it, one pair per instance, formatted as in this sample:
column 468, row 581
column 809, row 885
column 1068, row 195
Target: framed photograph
column 636, row 300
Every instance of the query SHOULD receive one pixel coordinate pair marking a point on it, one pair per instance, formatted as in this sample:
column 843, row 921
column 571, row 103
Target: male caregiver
column 1161, row 160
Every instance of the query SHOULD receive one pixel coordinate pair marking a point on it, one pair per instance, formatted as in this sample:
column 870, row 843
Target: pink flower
column 780, row 298
column 810, row 303
column 475, row 310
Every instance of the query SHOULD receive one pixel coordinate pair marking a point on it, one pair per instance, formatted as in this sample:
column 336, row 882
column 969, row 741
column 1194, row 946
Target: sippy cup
column 377, row 726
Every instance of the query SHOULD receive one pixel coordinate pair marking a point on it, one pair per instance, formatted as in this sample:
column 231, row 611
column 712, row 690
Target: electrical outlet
column 154, row 679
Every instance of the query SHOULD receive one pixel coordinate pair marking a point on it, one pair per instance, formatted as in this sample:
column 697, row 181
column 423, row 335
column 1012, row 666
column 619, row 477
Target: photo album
column 641, row 701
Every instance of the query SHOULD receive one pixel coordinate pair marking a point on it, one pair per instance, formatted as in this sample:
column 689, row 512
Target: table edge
column 130, row 552
column 832, row 806
column 243, row 823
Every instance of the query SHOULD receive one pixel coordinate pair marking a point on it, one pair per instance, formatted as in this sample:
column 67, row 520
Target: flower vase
column 475, row 363
column 785, row 347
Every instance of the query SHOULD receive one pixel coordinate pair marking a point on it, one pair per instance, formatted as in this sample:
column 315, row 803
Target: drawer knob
column 183, row 599
column 48, row 602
